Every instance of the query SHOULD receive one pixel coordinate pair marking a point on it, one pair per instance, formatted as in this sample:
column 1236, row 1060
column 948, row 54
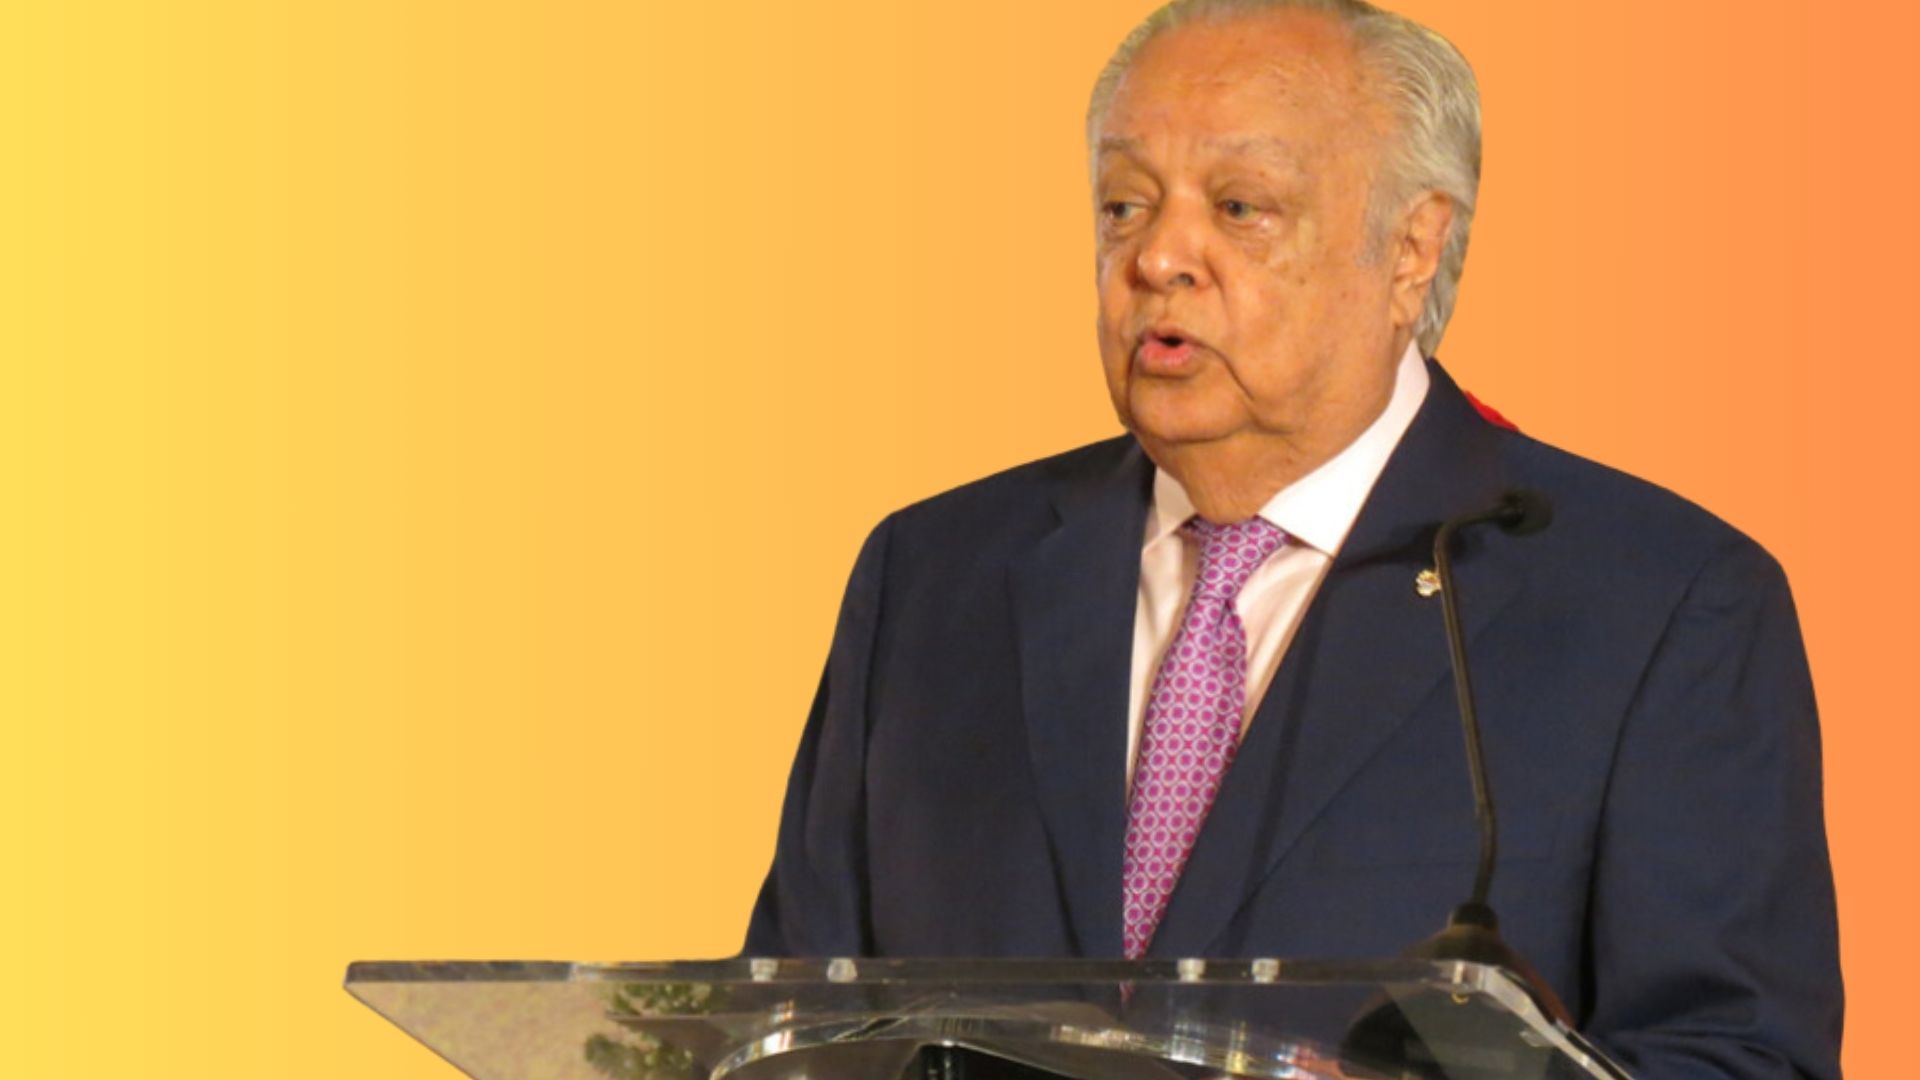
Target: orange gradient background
column 433, row 437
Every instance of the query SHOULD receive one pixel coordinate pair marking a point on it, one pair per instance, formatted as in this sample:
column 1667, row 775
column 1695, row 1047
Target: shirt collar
column 1319, row 509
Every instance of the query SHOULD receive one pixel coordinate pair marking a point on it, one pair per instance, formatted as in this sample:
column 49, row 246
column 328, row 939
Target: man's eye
column 1237, row 210
column 1117, row 211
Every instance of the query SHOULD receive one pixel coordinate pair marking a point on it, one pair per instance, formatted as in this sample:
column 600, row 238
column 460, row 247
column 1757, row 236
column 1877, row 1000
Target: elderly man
column 1186, row 693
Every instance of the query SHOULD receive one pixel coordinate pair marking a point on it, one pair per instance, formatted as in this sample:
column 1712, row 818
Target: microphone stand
column 1384, row 1034
column 1472, row 932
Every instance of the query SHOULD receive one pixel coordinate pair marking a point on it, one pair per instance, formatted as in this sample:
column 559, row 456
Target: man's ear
column 1415, row 249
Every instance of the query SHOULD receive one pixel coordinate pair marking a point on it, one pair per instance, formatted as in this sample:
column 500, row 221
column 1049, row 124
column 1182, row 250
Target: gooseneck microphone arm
column 1519, row 512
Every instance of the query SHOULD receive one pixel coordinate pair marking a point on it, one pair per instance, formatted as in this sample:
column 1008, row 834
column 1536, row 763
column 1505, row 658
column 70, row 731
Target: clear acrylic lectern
column 866, row 1019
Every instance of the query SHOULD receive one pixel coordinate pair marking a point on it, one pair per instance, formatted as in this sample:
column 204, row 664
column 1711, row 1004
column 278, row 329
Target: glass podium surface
column 854, row 1019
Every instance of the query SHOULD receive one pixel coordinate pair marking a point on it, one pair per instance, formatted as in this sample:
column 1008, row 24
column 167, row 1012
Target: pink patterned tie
column 1193, row 722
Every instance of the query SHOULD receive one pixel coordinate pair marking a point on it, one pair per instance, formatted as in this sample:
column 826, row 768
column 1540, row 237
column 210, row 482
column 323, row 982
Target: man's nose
column 1173, row 252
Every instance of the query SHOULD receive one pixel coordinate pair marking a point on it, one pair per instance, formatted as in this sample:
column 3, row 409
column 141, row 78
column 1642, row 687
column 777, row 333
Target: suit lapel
column 1073, row 597
column 1368, row 652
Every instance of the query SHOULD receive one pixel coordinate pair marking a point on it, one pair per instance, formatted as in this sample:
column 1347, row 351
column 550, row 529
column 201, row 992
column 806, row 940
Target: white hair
column 1424, row 82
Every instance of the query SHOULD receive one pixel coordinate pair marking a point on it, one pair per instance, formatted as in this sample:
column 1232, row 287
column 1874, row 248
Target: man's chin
column 1173, row 425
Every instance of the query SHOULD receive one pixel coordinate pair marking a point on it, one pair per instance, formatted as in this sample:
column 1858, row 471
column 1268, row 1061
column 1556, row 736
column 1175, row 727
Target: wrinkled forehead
column 1288, row 78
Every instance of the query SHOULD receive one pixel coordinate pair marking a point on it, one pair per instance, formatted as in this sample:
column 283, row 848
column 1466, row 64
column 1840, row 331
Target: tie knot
column 1229, row 554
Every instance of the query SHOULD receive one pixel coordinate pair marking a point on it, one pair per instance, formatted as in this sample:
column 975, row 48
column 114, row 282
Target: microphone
column 1520, row 512
column 1387, row 1035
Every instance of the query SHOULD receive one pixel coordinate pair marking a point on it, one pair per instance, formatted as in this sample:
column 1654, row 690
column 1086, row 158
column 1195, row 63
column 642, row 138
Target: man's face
column 1238, row 292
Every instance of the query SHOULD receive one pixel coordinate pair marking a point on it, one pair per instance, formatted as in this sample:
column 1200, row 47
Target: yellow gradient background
column 433, row 437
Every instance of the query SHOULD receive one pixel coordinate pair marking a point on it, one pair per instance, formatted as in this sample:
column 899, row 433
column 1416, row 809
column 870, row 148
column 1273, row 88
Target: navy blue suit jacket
column 1649, row 723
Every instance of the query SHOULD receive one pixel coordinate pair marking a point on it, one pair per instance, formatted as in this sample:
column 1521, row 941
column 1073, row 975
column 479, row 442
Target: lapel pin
column 1426, row 583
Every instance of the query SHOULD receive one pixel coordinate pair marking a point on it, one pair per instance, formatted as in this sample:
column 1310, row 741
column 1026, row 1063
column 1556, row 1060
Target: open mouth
column 1165, row 351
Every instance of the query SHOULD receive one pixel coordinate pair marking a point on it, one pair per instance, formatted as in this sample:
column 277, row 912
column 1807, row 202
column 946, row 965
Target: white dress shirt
column 1316, row 512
